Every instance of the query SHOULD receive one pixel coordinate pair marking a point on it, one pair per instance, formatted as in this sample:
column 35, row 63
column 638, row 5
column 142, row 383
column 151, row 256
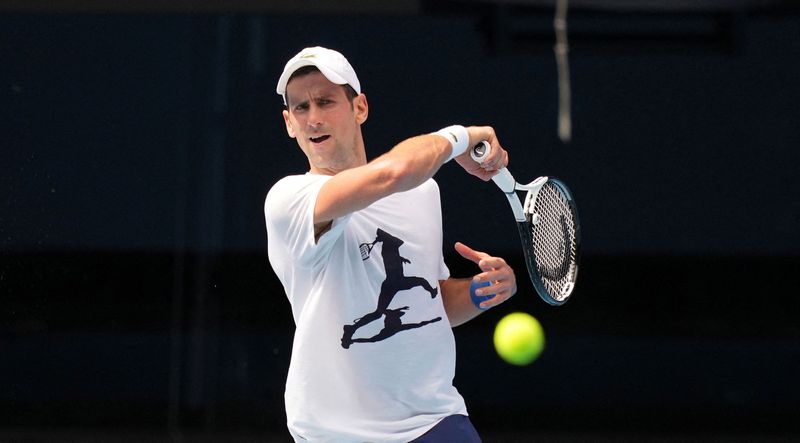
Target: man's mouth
column 319, row 139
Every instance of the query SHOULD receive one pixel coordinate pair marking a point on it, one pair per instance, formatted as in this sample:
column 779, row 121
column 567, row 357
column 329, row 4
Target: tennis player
column 357, row 246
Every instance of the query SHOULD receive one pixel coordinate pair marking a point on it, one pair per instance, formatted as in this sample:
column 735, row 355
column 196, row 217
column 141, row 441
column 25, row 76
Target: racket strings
column 554, row 241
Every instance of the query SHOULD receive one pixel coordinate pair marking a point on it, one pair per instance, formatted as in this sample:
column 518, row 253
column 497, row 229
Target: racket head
column 365, row 249
column 553, row 236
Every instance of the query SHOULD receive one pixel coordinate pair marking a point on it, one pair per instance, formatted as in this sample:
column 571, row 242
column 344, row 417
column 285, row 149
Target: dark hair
column 305, row 70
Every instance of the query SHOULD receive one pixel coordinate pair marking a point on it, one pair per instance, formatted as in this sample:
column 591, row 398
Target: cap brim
column 291, row 68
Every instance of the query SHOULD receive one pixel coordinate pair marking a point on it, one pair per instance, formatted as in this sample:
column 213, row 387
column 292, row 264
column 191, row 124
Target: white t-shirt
column 373, row 357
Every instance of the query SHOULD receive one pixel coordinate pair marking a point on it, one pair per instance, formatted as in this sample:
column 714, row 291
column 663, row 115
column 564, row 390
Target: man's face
column 325, row 123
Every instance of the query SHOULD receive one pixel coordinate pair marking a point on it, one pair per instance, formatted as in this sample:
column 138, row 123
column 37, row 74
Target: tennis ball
column 518, row 338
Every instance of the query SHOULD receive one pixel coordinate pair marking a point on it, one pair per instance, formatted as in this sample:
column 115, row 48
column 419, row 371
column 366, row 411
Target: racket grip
column 503, row 179
column 480, row 151
column 478, row 299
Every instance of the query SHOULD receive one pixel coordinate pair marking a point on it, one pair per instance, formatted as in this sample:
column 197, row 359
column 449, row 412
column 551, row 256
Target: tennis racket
column 366, row 248
column 548, row 228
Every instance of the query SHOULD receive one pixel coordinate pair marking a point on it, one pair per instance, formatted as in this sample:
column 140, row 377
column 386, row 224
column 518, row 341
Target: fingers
column 495, row 161
column 503, row 284
column 484, row 261
column 501, row 278
column 498, row 157
column 469, row 253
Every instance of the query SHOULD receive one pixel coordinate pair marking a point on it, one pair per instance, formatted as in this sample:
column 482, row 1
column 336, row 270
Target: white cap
column 330, row 63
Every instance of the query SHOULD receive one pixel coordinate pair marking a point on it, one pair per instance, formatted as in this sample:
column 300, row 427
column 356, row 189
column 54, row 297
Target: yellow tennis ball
column 519, row 338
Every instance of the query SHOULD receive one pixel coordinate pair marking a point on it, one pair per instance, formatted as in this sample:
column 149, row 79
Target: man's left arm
column 455, row 291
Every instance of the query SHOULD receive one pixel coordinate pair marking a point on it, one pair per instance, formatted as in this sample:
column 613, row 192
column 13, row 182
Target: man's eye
column 302, row 107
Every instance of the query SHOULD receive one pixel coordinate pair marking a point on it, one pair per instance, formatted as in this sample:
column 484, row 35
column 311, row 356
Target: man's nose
column 314, row 116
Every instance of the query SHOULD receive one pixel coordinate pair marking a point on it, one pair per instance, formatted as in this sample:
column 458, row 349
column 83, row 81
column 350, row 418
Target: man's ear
column 289, row 128
column 361, row 108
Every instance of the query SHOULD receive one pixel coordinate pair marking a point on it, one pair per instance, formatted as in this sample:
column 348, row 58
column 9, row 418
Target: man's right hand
column 497, row 159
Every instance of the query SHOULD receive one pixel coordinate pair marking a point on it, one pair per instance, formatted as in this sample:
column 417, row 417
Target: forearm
column 404, row 167
column 414, row 160
column 457, row 302
column 417, row 159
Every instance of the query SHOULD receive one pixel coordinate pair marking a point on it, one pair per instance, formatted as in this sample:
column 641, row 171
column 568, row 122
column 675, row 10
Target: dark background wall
column 137, row 149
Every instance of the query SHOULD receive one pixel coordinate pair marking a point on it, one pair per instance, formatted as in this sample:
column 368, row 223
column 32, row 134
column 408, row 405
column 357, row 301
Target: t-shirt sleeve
column 444, row 271
column 289, row 214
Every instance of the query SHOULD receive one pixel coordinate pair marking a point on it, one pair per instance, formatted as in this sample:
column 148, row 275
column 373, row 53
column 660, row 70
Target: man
column 357, row 246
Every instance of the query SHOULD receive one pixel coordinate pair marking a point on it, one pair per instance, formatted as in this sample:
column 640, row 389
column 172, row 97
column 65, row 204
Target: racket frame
column 526, row 235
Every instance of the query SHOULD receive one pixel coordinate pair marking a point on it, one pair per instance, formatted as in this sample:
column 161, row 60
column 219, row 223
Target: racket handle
column 503, row 179
column 480, row 151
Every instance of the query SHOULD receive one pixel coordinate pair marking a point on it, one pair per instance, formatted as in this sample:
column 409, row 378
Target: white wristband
column 458, row 137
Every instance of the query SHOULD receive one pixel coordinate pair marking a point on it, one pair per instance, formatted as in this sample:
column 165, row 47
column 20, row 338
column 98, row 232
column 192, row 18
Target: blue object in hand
column 477, row 299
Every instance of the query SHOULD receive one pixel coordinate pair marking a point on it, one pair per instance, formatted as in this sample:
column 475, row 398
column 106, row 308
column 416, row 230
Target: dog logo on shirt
column 395, row 281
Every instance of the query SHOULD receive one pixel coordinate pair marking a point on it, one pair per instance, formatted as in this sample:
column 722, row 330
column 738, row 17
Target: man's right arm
column 404, row 167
